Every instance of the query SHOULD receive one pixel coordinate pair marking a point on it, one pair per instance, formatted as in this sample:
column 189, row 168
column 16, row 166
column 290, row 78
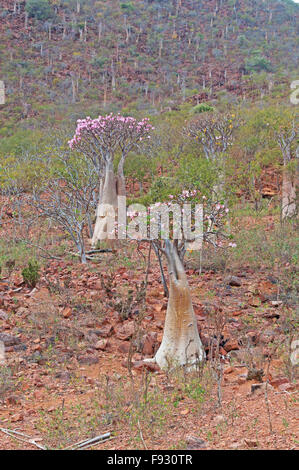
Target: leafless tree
column 68, row 198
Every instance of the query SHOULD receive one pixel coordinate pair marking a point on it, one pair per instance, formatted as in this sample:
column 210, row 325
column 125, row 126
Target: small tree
column 102, row 139
column 67, row 199
column 181, row 344
column 213, row 133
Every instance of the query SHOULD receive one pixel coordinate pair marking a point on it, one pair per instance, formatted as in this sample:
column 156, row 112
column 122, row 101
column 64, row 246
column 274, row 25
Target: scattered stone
column 125, row 332
column 149, row 342
column 276, row 303
column 9, row 340
column 13, row 400
column 3, row 315
column 139, row 365
column 279, row 381
column 88, row 360
column 195, row 443
column 17, row 417
column 231, row 345
column 286, row 387
column 219, row 419
column 233, row 281
column 250, row 443
column 254, row 302
column 241, row 380
column 236, row 445
column 237, row 313
column 102, row 344
column 22, row 311
column 63, row 375
column 124, row 347
column 105, row 331
column 67, row 312
column 253, row 336
column 271, row 315
column 228, row 370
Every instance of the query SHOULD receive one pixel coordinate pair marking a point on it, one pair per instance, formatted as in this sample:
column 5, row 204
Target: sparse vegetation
column 161, row 343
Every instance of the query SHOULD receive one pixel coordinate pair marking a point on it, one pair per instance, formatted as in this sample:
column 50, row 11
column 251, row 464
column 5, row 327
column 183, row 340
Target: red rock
column 285, row 387
column 3, row 315
column 149, row 344
column 254, row 302
column 195, row 443
column 276, row 382
column 250, row 443
column 88, row 360
column 229, row 370
column 102, row 344
column 237, row 313
column 124, row 347
column 67, row 312
column 17, row 417
column 219, row 419
column 12, row 400
column 125, row 332
column 241, row 381
column 198, row 310
column 139, row 365
column 38, row 394
column 231, row 345
column 105, row 331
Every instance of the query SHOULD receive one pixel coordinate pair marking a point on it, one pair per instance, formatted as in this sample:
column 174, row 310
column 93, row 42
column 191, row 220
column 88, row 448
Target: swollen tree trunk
column 107, row 204
column 289, row 190
column 181, row 344
column 2, row 353
column 112, row 187
column 289, row 183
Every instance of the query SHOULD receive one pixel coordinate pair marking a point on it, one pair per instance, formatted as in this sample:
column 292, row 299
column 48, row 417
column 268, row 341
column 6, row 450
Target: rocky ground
column 74, row 350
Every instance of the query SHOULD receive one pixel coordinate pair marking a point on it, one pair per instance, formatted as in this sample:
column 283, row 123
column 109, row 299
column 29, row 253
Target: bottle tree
column 105, row 139
column 185, row 228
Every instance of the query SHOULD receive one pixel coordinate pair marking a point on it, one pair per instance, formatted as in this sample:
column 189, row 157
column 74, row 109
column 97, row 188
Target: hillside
column 141, row 56
column 149, row 194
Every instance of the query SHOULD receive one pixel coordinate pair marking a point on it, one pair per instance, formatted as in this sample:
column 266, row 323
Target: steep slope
column 142, row 54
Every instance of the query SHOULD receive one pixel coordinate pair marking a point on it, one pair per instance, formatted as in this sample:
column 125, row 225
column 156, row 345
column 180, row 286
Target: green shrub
column 31, row 274
column 39, row 9
column 202, row 108
column 257, row 63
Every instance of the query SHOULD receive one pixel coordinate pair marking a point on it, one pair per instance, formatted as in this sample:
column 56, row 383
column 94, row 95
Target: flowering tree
column 181, row 344
column 102, row 139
